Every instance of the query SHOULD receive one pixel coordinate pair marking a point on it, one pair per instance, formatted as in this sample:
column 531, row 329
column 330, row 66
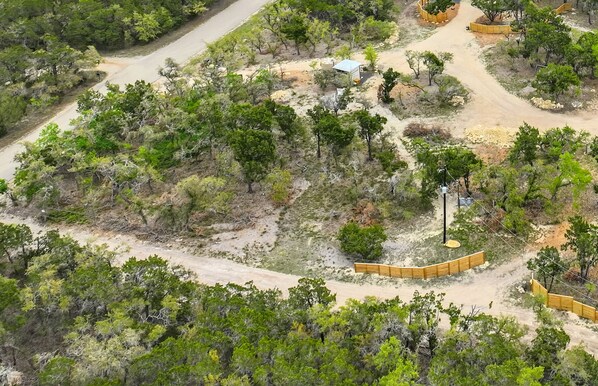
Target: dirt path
column 485, row 289
column 490, row 106
column 128, row 70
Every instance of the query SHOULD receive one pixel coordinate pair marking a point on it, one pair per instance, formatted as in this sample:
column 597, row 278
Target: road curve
column 491, row 105
column 486, row 290
column 146, row 68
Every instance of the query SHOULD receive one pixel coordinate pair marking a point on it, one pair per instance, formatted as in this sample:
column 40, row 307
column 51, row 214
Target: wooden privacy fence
column 566, row 303
column 490, row 29
column 563, row 8
column 506, row 29
column 443, row 269
column 441, row 17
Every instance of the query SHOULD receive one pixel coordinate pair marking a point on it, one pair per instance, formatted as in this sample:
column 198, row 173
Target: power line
column 513, row 248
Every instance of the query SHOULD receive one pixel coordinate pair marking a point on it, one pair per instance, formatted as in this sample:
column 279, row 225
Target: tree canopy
column 74, row 317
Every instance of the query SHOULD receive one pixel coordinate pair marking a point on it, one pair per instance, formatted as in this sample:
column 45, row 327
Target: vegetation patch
column 547, row 62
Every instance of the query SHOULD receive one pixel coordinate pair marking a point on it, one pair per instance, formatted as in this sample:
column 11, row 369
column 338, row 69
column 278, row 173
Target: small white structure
column 350, row 67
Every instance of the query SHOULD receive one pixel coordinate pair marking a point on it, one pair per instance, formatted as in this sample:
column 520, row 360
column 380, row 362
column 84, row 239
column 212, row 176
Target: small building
column 350, row 67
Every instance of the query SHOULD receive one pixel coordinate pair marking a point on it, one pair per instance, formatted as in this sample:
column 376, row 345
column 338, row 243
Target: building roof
column 347, row 65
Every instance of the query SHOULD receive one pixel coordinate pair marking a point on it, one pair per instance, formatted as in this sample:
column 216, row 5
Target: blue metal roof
column 347, row 65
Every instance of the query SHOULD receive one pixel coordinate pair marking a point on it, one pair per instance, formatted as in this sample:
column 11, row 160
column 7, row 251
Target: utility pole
column 444, row 191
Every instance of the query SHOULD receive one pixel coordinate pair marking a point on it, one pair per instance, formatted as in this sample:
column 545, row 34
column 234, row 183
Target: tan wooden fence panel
column 565, row 7
column 443, row 269
column 588, row 313
column 562, row 302
column 490, row 29
column 384, row 270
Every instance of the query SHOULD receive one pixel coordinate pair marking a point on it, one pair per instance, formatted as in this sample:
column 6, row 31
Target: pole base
column 452, row 244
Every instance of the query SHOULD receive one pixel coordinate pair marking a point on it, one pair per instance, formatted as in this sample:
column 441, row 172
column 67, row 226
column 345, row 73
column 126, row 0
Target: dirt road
column 123, row 71
column 479, row 289
column 490, row 106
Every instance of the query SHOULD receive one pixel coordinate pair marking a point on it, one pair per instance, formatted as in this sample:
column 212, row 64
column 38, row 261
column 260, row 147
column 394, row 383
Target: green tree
column 245, row 116
column 436, row 6
column 280, row 183
column 334, row 133
column 208, row 194
column 390, row 80
column 310, row 292
column 546, row 349
column 548, row 265
column 158, row 292
column 582, row 238
column 322, row 122
column 390, row 361
column 255, row 151
column 545, row 32
column 435, row 63
column 371, row 56
column 145, row 26
column 414, row 60
column 369, row 127
column 460, row 162
column 287, row 120
column 491, row 8
column 55, row 59
column 526, row 146
column 555, row 79
column 579, row 366
column 296, row 29
column 3, row 186
column 570, row 173
column 14, row 240
column 483, row 350
column 319, row 31
column 12, row 109
column 364, row 242
column 581, row 55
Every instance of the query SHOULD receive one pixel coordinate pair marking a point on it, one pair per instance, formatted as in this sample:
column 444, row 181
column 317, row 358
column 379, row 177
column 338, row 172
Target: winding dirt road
column 123, row 71
column 485, row 290
column 490, row 105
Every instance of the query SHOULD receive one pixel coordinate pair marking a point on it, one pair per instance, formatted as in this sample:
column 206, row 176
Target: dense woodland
column 70, row 316
column 45, row 46
column 212, row 147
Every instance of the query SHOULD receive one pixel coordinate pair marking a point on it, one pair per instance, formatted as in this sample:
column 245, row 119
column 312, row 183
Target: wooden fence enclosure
column 506, row 29
column 443, row 269
column 565, row 303
column 441, row 17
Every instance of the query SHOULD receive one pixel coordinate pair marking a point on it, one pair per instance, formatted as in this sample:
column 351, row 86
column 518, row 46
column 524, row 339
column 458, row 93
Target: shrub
column 279, row 183
column 390, row 162
column 376, row 30
column 420, row 130
column 436, row 6
column 3, row 186
column 555, row 79
column 327, row 77
column 363, row 242
column 450, row 90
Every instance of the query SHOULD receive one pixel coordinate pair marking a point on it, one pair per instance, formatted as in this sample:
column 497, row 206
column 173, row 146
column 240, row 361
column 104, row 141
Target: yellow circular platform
column 452, row 244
